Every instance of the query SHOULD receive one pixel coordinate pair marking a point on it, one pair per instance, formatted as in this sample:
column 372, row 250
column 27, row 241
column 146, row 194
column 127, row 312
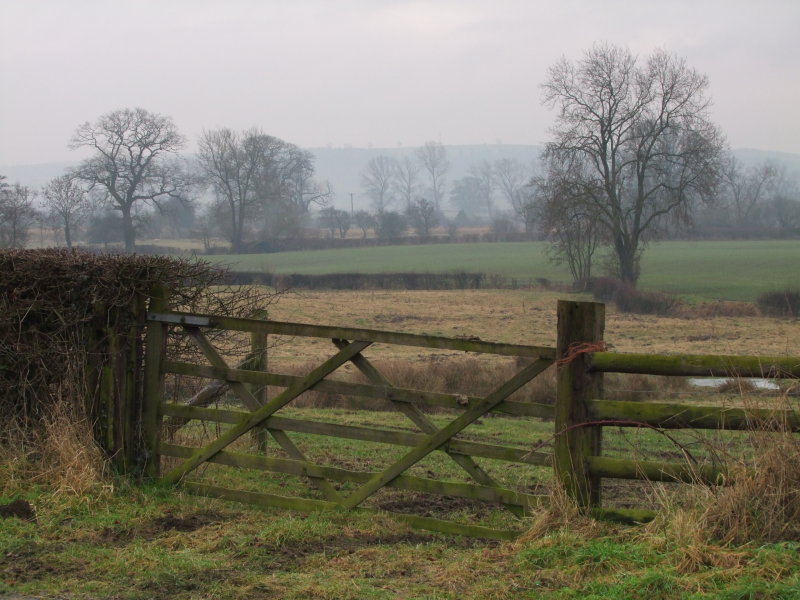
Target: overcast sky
column 371, row 72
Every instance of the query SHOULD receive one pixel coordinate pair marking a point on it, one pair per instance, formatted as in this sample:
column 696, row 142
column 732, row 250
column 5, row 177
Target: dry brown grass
column 763, row 502
column 60, row 455
column 526, row 317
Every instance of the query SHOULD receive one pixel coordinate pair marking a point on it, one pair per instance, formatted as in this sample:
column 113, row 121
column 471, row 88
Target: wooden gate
column 579, row 413
column 348, row 346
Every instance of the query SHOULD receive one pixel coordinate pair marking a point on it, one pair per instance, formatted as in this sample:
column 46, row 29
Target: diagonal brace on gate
column 438, row 439
column 464, row 461
column 253, row 404
column 264, row 412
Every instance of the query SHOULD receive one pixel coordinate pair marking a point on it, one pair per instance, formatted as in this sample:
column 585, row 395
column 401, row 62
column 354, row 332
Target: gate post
column 155, row 350
column 258, row 350
column 578, row 322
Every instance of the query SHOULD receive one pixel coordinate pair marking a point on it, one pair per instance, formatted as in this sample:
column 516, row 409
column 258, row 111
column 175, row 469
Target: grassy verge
column 111, row 539
column 133, row 543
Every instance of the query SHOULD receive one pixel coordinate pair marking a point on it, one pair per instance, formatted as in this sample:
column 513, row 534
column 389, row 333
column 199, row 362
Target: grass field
column 731, row 270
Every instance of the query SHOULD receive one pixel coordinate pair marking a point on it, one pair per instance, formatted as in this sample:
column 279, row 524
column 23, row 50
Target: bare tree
column 468, row 194
column 259, row 179
column 303, row 189
column 570, row 220
column 232, row 164
column 130, row 165
column 364, row 221
column 336, row 220
column 743, row 189
column 378, row 182
column 433, row 157
column 16, row 214
column 484, row 173
column 644, row 134
column 407, row 183
column 67, row 203
column 423, row 216
column 511, row 177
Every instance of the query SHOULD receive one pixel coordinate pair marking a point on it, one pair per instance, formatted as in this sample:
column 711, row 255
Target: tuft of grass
column 60, row 455
column 763, row 502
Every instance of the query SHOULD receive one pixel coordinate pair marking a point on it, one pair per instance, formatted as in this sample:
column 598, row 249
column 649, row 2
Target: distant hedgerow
column 780, row 303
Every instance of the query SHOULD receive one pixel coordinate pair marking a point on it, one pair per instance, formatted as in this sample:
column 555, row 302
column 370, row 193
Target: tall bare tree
column 570, row 221
column 303, row 189
column 130, row 163
column 407, row 183
column 484, row 173
column 512, row 177
column 67, row 203
column 433, row 158
column 378, row 182
column 423, row 216
column 17, row 214
column 744, row 188
column 259, row 179
column 232, row 164
column 642, row 128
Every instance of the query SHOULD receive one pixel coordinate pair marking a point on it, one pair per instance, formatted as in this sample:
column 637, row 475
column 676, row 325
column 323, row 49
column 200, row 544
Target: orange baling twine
column 577, row 348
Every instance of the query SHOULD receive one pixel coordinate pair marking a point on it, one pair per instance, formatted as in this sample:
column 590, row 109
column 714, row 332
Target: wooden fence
column 580, row 412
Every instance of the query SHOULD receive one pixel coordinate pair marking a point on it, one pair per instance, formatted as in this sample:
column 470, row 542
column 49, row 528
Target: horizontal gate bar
column 353, row 333
column 354, row 432
column 696, row 365
column 683, row 416
column 510, row 407
column 406, row 482
column 309, row 505
column 604, row 466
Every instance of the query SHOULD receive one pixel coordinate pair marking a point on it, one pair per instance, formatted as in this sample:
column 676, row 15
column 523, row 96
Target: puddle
column 715, row 382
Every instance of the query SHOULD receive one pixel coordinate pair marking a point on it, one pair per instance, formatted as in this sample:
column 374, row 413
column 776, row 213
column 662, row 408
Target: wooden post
column 578, row 322
column 155, row 350
column 258, row 350
column 133, row 369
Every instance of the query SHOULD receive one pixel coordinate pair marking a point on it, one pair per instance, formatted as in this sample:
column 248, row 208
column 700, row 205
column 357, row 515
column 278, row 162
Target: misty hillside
column 342, row 167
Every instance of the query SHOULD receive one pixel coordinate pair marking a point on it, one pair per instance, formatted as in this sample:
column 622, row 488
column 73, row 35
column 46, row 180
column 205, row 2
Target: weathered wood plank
column 603, row 466
column 682, row 416
column 351, row 333
column 434, row 441
column 696, row 365
column 578, row 323
column 427, row 426
column 153, row 386
column 308, row 505
column 253, row 419
column 455, row 401
column 354, row 432
column 406, row 482
column 209, row 394
column 217, row 361
column 632, row 516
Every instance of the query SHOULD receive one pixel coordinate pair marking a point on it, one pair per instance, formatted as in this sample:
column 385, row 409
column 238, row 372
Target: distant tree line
column 634, row 157
column 242, row 186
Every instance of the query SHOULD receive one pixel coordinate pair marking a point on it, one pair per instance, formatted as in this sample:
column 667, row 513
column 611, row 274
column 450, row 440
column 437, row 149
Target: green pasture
column 729, row 270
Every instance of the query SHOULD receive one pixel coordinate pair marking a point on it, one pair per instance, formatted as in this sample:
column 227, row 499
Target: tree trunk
column 67, row 234
column 128, row 233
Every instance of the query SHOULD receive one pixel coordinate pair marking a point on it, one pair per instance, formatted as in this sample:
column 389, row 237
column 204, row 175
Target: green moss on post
column 258, row 350
column 155, row 350
column 578, row 322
